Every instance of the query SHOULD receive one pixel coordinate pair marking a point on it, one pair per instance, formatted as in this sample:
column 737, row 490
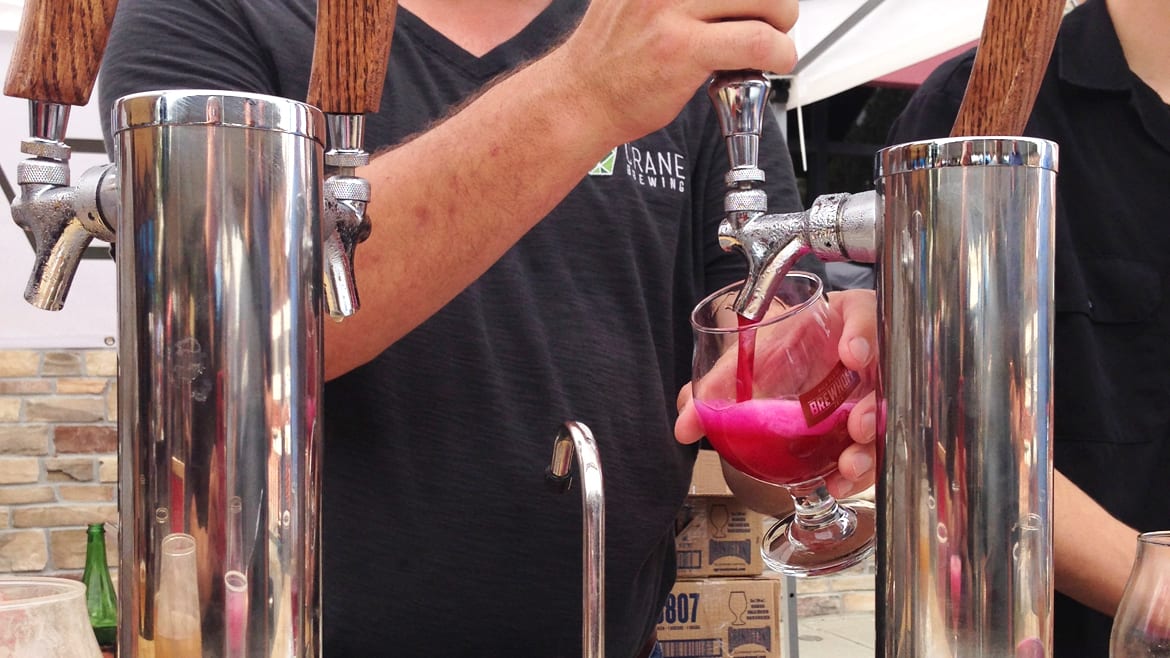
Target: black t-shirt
column 1112, row 329
column 440, row 538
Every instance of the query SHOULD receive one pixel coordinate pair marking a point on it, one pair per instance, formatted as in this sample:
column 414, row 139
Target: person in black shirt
column 1104, row 101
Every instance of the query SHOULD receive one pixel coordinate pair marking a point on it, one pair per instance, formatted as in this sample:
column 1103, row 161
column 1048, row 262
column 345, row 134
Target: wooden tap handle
column 1013, row 54
column 350, row 53
column 59, row 49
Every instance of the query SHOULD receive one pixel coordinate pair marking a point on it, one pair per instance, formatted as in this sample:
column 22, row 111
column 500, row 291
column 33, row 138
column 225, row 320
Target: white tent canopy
column 846, row 43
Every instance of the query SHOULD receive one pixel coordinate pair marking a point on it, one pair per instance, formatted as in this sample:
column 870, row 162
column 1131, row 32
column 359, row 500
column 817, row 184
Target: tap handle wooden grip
column 1013, row 54
column 350, row 53
column 59, row 49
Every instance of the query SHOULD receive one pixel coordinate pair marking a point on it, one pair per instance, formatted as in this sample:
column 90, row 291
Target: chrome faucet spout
column 346, row 224
column 837, row 227
column 771, row 244
column 60, row 219
column 576, row 438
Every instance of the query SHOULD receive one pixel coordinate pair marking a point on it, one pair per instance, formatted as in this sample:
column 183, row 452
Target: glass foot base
column 802, row 552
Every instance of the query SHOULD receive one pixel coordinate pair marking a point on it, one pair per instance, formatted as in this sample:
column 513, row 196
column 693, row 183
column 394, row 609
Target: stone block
column 23, row 550
column 55, row 409
column 86, row 493
column 112, row 403
column 82, row 385
column 813, row 585
column 108, row 469
column 85, row 439
column 19, row 363
column 19, row 470
column 24, row 440
column 25, row 495
column 67, row 548
column 56, row 516
column 101, row 363
column 69, row 470
column 61, row 364
column 812, row 606
column 850, row 583
column 26, row 386
column 857, row 602
column 9, row 409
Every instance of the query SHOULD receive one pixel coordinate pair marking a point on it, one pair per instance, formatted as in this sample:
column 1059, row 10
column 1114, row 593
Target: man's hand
column 858, row 351
column 637, row 62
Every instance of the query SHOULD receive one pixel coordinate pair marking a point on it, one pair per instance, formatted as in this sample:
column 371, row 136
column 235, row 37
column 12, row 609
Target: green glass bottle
column 99, row 588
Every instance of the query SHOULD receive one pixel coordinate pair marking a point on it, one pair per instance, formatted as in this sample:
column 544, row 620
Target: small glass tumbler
column 179, row 631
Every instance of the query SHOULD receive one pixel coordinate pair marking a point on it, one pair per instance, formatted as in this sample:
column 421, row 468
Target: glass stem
column 817, row 509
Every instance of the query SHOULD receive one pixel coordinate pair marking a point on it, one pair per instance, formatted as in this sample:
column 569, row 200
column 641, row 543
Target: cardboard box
column 715, row 535
column 707, row 478
column 718, row 537
column 722, row 618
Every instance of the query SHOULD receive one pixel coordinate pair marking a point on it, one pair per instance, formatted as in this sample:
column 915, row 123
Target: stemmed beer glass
column 773, row 399
column 1141, row 626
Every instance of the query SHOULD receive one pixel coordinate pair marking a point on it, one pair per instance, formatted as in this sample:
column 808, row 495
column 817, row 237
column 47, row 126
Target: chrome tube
column 575, row 438
column 220, row 373
column 965, row 307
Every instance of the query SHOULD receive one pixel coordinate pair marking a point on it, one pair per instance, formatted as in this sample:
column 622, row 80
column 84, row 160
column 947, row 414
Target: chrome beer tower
column 962, row 232
column 231, row 213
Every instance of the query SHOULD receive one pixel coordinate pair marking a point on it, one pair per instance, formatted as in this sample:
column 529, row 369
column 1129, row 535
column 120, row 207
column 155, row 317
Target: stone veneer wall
column 58, row 457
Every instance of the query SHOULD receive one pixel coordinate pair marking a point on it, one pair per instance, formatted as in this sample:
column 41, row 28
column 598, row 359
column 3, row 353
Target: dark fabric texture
column 440, row 538
column 1112, row 328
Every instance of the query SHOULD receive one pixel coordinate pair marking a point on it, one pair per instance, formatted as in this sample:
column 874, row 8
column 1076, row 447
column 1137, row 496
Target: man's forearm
column 1093, row 551
column 449, row 203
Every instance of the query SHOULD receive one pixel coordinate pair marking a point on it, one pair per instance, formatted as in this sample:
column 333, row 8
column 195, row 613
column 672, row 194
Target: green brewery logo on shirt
column 655, row 169
column 605, row 167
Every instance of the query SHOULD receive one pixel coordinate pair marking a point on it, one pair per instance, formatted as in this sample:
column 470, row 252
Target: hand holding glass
column 774, row 399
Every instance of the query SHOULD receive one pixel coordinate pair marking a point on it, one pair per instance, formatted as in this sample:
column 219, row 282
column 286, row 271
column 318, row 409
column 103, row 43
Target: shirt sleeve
column 170, row 44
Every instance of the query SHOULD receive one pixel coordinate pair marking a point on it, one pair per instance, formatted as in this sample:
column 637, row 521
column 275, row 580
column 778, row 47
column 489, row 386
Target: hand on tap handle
column 351, row 51
column 54, row 65
column 686, row 41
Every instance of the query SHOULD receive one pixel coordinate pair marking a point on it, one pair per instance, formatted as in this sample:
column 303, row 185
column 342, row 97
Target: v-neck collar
column 534, row 39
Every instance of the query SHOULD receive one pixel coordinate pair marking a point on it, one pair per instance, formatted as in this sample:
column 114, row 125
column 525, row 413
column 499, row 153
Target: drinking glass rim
column 178, row 544
column 61, row 589
column 1155, row 537
column 792, row 310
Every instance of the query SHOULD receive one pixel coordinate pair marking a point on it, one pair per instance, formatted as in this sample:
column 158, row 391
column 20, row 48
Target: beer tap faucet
column 61, row 219
column 346, row 83
column 836, row 227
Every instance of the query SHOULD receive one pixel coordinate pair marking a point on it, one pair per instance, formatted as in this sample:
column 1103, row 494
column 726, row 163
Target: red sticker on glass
column 819, row 402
